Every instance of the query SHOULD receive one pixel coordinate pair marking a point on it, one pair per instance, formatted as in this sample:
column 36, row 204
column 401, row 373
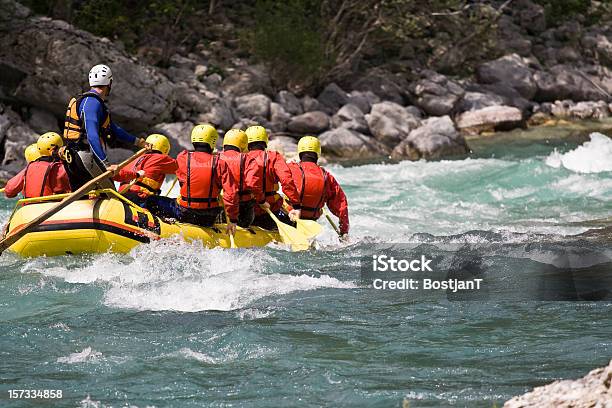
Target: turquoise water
column 173, row 324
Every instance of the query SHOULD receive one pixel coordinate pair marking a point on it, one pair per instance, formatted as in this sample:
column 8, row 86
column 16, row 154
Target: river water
column 173, row 324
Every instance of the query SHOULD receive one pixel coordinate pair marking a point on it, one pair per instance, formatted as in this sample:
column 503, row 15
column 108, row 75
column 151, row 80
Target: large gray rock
column 511, row 70
column 220, row 116
column 252, row 106
column 332, row 98
column 279, row 118
column 581, row 110
column 15, row 136
column 346, row 144
column 309, row 123
column 192, row 102
column 247, row 80
column 387, row 86
column 44, row 62
column 489, row 119
column 310, row 104
column 592, row 390
column 566, row 82
column 179, row 134
column 436, row 94
column 478, row 100
column 390, row 123
column 351, row 117
column 436, row 138
column 531, row 16
column 42, row 121
column 290, row 103
column 285, row 145
column 363, row 100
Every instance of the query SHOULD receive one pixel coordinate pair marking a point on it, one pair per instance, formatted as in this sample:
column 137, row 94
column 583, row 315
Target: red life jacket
column 236, row 164
column 311, row 186
column 36, row 178
column 200, row 190
column 146, row 185
column 270, row 188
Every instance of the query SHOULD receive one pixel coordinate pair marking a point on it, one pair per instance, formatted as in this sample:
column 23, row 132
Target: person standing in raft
column 88, row 129
column 202, row 176
column 316, row 186
column 45, row 174
column 243, row 171
column 272, row 170
column 151, row 169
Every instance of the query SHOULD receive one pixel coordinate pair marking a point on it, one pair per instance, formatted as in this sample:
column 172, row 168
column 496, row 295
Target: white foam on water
column 175, row 275
column 84, row 356
column 594, row 156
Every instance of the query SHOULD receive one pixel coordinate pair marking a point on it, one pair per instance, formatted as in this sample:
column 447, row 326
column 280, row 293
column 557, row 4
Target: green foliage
column 562, row 10
column 288, row 37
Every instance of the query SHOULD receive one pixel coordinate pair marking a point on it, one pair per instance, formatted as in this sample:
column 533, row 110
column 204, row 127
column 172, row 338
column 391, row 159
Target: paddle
column 290, row 235
column 11, row 239
column 333, row 224
column 171, row 187
column 309, row 228
column 1, row 190
column 128, row 186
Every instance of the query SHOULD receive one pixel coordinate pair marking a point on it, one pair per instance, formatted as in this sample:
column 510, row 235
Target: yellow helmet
column 48, row 142
column 159, row 142
column 236, row 138
column 257, row 134
column 309, row 144
column 31, row 153
column 205, row 134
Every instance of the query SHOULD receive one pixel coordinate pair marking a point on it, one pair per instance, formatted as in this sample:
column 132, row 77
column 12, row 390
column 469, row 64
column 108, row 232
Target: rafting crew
column 201, row 176
column 145, row 176
column 271, row 170
column 243, row 171
column 88, row 130
column 316, row 186
column 45, row 173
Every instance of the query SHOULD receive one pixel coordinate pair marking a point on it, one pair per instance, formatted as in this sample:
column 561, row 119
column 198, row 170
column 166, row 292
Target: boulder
column 346, row 144
column 566, row 82
column 309, row 123
column 33, row 59
column 179, row 134
column 436, row 138
column 436, row 94
column 592, row 390
column 478, row 100
column 511, row 70
column 363, row 100
column 42, row 121
column 531, row 16
column 332, row 98
column 285, row 145
column 220, row 116
column 192, row 102
column 489, row 119
column 350, row 117
column 247, row 80
column 279, row 118
column 390, row 123
column 581, row 110
column 510, row 96
column 290, row 103
column 15, row 136
column 384, row 84
column 253, row 105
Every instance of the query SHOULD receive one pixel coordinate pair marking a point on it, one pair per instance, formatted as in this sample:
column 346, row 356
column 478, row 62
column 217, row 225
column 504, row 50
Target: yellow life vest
column 74, row 129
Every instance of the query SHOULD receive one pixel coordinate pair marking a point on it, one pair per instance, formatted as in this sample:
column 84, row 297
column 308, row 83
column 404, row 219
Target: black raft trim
column 92, row 225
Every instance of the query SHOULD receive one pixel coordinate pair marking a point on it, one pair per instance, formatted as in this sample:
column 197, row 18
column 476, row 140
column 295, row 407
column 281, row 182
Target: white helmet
column 100, row 75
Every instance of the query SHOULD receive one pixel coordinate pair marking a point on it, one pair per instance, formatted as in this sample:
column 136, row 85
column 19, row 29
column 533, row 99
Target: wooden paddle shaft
column 11, row 239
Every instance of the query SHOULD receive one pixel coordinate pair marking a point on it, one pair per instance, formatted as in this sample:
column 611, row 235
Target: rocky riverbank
column 592, row 390
column 560, row 72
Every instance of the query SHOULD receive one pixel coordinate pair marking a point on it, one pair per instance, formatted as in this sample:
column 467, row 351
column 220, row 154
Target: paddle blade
column 309, row 228
column 293, row 237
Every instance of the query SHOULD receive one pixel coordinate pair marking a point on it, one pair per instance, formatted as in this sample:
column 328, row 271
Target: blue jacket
column 91, row 112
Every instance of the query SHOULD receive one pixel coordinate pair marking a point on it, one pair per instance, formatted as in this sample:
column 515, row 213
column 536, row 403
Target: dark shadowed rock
column 489, row 119
column 351, row 117
column 290, row 103
column 279, row 118
column 192, row 102
column 220, row 116
column 309, row 123
column 510, row 70
column 247, row 80
column 510, row 96
column 42, row 121
column 44, row 62
column 531, row 16
column 346, row 144
column 363, row 100
column 592, row 390
column 15, row 136
column 390, row 123
column 436, row 94
column 565, row 82
column 384, row 84
column 332, row 98
column 310, row 104
column 478, row 100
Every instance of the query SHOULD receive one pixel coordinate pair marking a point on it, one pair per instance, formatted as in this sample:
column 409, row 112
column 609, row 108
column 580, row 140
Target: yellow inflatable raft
column 106, row 221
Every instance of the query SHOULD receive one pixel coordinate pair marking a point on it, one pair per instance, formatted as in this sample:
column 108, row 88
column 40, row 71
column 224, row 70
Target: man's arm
column 15, row 185
column 121, row 134
column 337, row 203
column 91, row 115
column 286, row 180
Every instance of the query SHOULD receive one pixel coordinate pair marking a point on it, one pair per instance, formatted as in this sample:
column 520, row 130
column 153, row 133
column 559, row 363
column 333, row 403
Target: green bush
column 562, row 10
